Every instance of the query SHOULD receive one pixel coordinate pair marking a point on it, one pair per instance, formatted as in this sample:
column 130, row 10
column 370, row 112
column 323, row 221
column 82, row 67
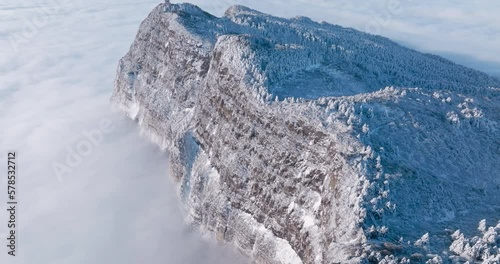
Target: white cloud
column 118, row 205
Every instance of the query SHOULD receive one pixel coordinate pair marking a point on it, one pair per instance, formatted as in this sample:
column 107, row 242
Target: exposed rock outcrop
column 285, row 142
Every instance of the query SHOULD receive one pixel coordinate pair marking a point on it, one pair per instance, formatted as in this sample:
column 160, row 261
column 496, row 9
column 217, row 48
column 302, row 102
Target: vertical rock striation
column 267, row 162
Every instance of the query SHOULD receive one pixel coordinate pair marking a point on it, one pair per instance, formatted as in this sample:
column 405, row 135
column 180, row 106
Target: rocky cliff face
column 286, row 143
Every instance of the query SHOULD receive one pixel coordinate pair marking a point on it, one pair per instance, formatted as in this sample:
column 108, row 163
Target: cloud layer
column 115, row 203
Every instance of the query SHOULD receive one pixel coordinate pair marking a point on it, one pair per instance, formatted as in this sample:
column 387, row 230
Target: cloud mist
column 118, row 204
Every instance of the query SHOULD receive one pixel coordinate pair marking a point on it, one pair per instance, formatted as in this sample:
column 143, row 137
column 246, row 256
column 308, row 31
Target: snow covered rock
column 304, row 142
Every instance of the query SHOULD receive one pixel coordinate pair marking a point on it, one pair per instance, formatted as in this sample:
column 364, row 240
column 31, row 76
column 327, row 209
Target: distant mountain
column 305, row 142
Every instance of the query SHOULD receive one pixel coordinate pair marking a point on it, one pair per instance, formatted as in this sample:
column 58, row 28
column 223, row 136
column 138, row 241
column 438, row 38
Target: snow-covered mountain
column 305, row 142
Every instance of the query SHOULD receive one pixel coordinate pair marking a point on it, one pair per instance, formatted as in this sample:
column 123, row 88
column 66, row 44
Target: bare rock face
column 285, row 142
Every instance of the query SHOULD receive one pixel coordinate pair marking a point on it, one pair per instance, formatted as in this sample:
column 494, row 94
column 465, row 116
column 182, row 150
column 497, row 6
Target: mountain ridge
column 243, row 20
column 288, row 139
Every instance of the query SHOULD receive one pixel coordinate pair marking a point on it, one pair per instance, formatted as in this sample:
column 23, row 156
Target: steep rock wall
column 277, row 186
column 290, row 180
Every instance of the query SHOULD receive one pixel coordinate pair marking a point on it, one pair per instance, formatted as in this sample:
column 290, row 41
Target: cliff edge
column 305, row 142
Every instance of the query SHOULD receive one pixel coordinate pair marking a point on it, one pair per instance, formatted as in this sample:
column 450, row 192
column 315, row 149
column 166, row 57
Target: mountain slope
column 285, row 139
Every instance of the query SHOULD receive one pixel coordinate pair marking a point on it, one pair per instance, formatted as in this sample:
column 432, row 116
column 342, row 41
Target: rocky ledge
column 305, row 142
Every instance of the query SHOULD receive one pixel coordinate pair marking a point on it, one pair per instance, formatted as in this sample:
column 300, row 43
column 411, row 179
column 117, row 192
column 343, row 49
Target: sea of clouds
column 90, row 188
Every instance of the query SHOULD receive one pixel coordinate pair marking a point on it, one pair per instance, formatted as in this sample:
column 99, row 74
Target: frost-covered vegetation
column 306, row 59
column 299, row 141
column 484, row 248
